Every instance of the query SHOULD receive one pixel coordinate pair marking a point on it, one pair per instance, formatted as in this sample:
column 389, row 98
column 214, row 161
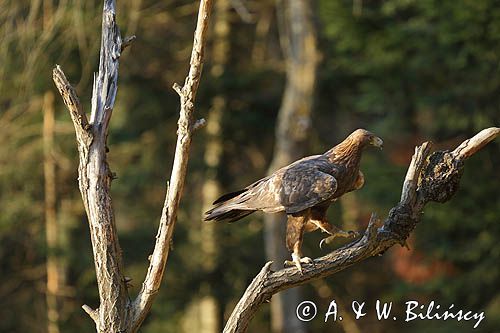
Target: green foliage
column 419, row 70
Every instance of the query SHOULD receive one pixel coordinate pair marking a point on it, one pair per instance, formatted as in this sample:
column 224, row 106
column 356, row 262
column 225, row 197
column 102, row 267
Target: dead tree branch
column 185, row 129
column 95, row 176
column 430, row 177
column 116, row 313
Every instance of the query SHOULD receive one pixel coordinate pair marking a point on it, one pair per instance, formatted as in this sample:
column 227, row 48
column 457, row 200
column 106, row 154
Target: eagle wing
column 296, row 187
column 305, row 185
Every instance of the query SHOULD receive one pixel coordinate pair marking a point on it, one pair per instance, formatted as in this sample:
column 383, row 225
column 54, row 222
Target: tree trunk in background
column 49, row 168
column 213, row 148
column 204, row 313
column 350, row 211
column 298, row 42
column 262, row 27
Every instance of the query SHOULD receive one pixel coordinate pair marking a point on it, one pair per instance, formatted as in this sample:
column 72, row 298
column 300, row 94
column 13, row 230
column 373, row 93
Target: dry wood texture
column 116, row 312
column 185, row 129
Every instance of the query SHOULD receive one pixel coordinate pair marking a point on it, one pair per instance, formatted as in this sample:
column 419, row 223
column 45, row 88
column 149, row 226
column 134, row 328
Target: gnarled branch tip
column 199, row 124
column 91, row 312
column 177, row 88
column 127, row 41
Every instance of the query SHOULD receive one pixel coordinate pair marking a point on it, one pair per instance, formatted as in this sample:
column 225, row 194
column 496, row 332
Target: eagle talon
column 291, row 263
column 297, row 261
column 307, row 260
column 340, row 233
column 327, row 240
column 323, row 241
column 353, row 234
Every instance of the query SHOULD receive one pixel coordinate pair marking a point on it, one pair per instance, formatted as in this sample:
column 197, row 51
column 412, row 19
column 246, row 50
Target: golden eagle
column 303, row 190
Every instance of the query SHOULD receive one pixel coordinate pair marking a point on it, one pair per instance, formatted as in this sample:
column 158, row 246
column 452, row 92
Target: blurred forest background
column 407, row 70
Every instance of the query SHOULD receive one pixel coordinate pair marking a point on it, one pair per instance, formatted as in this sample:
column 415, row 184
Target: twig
column 401, row 221
column 199, row 124
column 93, row 314
column 127, row 41
column 72, row 102
column 242, row 11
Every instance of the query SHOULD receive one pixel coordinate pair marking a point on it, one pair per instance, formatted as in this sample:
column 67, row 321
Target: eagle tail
column 228, row 196
column 229, row 207
column 230, row 215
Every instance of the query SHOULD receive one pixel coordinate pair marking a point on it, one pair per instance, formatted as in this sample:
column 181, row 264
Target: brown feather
column 308, row 182
column 304, row 190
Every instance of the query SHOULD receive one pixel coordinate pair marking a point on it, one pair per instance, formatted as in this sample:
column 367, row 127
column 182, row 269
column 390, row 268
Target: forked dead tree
column 116, row 312
column 430, row 177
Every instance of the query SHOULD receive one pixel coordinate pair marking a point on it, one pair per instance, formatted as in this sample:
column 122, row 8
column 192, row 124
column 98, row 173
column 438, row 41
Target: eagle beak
column 377, row 142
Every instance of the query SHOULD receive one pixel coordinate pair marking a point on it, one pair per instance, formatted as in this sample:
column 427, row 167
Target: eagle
column 303, row 190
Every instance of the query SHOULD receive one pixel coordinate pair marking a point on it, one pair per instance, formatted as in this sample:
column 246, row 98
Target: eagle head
column 367, row 138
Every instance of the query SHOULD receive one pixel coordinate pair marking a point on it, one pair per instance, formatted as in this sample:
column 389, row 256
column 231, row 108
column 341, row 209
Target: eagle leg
column 294, row 234
column 335, row 232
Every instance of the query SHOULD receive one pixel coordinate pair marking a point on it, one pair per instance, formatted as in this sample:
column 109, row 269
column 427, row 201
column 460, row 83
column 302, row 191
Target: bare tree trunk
column 261, row 33
column 298, row 41
column 49, row 170
column 116, row 312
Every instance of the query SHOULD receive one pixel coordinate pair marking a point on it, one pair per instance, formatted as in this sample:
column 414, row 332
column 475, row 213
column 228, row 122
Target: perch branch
column 427, row 176
column 472, row 145
column 186, row 127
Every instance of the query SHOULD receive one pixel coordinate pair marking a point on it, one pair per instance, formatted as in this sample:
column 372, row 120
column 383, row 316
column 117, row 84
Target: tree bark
column 430, row 177
column 298, row 41
column 49, row 170
column 186, row 126
column 95, row 177
column 116, row 312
